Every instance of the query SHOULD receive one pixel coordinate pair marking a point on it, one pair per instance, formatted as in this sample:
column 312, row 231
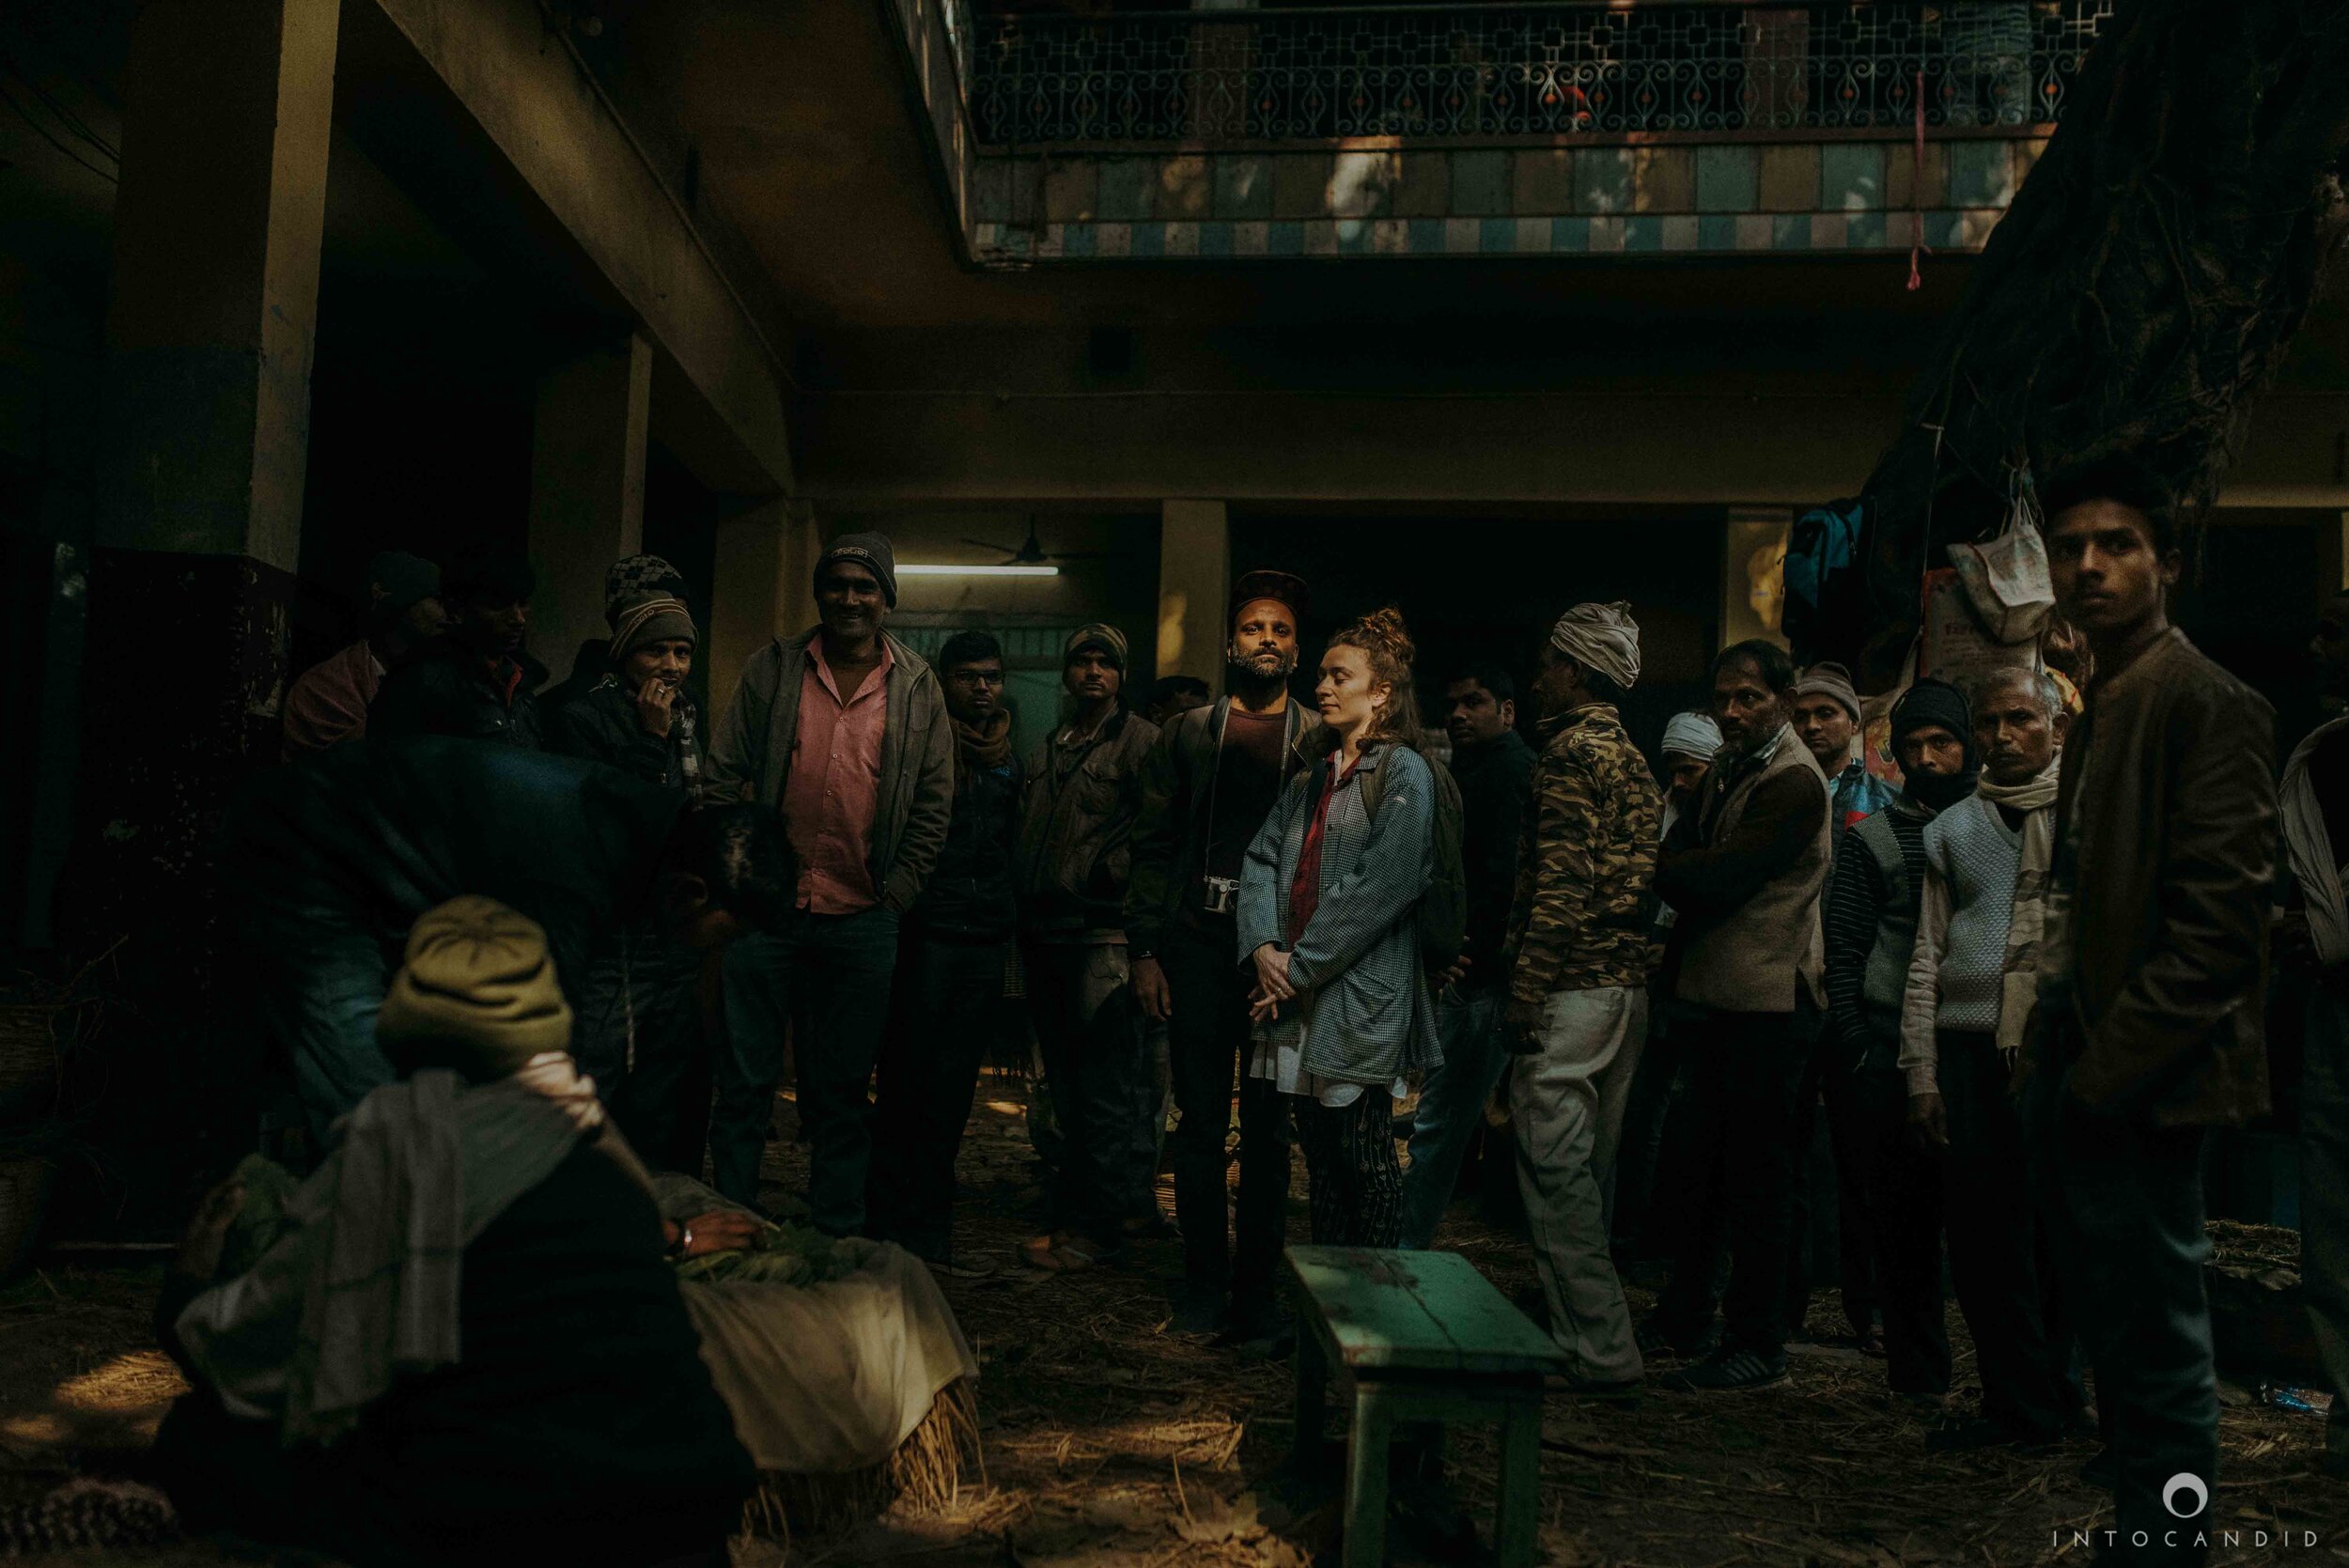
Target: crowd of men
column 2016, row 966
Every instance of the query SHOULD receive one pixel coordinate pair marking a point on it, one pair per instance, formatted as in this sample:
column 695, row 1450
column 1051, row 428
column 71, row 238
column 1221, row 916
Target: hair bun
column 1385, row 626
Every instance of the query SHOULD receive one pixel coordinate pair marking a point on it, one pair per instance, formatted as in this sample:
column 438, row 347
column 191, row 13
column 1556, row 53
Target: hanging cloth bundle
column 2006, row 577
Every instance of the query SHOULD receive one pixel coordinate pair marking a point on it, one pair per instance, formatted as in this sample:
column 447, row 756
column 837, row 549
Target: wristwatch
column 684, row 1245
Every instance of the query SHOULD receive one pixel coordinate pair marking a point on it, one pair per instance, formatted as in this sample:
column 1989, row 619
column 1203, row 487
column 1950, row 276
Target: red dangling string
column 1916, row 194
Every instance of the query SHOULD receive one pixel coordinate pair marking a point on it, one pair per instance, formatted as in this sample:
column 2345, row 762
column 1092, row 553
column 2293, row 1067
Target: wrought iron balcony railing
column 1451, row 72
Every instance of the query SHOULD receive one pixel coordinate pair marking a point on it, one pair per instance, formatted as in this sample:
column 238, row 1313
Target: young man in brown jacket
column 1744, row 870
column 2149, row 1025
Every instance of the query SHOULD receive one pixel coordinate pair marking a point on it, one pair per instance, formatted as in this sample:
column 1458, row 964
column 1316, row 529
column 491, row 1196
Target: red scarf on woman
column 1305, row 887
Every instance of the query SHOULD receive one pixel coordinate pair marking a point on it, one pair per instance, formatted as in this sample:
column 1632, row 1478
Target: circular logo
column 2187, row 1488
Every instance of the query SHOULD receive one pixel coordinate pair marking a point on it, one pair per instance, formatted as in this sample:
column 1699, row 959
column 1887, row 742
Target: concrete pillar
column 762, row 587
column 203, row 442
column 206, row 422
column 1195, row 580
column 587, row 452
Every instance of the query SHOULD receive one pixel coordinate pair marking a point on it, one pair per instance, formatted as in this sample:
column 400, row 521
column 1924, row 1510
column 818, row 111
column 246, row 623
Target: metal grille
column 1466, row 71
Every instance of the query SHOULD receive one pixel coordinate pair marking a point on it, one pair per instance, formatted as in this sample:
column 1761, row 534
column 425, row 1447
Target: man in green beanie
column 461, row 1340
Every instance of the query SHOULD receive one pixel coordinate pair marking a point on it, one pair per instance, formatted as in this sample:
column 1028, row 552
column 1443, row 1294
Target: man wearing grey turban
column 1602, row 638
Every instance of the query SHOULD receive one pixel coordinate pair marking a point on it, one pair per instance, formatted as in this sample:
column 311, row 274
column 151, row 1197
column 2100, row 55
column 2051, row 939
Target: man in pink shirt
column 328, row 704
column 845, row 732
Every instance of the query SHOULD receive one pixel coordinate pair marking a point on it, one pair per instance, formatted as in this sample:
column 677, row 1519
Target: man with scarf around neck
column 2152, row 986
column 950, row 971
column 1869, row 922
column 1971, row 983
column 1493, row 768
column 640, row 1005
column 1577, row 973
column 1743, row 871
column 1211, row 781
column 463, row 1343
column 2312, row 943
column 1083, row 790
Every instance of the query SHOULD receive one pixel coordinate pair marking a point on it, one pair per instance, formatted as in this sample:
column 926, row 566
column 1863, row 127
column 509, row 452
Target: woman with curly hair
column 1328, row 915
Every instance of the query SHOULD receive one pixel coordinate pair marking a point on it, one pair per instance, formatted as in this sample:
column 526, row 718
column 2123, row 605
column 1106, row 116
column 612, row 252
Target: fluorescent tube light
column 907, row 568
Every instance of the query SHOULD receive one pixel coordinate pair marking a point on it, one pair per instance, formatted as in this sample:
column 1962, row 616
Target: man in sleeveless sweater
column 2151, row 989
column 1961, row 1027
column 1870, row 927
column 1745, row 870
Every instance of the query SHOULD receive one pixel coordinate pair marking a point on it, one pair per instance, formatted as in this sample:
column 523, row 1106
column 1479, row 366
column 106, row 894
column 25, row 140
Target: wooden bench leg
column 1520, row 1488
column 1367, row 1479
column 1312, row 1390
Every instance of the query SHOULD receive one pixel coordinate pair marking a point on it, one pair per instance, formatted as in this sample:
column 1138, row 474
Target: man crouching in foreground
column 461, row 1340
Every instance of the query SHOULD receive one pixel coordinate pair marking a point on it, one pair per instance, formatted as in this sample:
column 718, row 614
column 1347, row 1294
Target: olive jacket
column 750, row 757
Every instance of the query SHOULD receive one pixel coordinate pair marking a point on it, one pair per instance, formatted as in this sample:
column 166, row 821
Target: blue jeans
column 1452, row 1104
column 829, row 976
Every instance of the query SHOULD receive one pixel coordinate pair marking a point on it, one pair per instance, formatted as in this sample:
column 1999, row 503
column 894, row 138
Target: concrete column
column 203, row 442
column 1195, row 580
column 762, row 588
column 588, row 449
column 206, row 423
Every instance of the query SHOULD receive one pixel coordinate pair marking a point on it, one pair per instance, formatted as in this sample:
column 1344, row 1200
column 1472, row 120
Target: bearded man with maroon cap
column 1208, row 786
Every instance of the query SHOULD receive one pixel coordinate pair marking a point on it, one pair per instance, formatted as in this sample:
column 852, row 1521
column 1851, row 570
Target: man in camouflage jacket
column 1576, row 964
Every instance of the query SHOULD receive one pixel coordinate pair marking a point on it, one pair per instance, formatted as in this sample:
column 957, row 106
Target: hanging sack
column 2006, row 578
column 1953, row 643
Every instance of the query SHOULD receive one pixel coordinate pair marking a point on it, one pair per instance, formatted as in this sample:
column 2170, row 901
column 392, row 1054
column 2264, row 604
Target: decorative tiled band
column 1959, row 230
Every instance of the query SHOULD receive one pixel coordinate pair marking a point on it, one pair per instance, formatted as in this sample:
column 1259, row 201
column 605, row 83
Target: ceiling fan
column 1031, row 551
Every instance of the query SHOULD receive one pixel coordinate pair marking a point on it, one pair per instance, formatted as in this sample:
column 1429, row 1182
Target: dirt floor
column 1111, row 1442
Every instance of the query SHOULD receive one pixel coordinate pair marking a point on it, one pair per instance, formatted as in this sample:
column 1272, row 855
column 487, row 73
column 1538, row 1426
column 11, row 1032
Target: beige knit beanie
column 477, row 993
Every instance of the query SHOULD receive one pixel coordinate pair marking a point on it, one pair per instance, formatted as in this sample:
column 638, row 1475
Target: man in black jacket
column 1494, row 769
column 480, row 682
column 331, row 859
column 1211, row 781
column 640, row 1018
column 1083, row 791
column 1869, row 921
column 950, row 971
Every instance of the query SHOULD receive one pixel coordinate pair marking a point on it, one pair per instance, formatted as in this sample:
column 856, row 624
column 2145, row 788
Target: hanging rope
column 1916, row 194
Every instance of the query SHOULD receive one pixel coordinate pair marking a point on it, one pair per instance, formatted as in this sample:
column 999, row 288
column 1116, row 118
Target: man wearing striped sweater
column 1871, row 926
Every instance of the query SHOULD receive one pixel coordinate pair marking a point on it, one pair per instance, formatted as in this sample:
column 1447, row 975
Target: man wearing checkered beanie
column 640, row 1020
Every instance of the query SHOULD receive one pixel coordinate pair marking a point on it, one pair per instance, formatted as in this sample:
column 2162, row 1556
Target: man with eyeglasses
column 950, row 971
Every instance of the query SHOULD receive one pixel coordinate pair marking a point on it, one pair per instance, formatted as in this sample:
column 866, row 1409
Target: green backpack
column 1443, row 908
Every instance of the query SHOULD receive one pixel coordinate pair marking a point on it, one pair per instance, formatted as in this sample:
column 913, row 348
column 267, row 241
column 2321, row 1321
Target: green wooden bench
column 1418, row 1337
